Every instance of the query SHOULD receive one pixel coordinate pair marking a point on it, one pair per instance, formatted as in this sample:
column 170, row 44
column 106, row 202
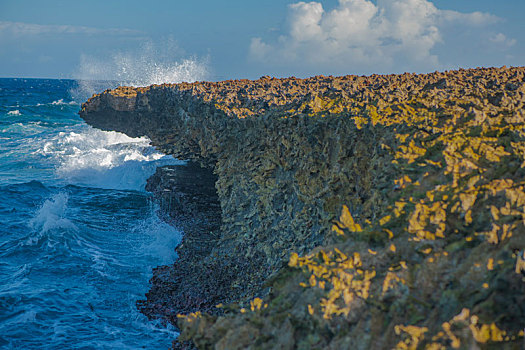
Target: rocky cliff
column 355, row 212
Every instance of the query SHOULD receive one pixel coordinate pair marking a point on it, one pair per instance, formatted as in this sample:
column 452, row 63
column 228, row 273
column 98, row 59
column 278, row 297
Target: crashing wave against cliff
column 356, row 212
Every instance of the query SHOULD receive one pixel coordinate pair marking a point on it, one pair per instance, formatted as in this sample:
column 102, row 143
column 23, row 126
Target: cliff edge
column 355, row 212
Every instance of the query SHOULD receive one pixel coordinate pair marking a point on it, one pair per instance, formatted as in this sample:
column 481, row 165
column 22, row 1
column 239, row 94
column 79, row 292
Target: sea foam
column 61, row 102
column 104, row 159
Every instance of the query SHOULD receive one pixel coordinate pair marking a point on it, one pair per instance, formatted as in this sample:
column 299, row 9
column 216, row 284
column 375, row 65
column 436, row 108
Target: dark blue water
column 78, row 233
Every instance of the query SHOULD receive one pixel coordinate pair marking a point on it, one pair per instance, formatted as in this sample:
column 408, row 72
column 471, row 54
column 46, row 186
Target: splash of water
column 153, row 64
column 51, row 215
column 104, row 159
column 162, row 238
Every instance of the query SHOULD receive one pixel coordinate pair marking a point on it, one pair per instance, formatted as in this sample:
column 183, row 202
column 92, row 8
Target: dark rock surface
column 187, row 196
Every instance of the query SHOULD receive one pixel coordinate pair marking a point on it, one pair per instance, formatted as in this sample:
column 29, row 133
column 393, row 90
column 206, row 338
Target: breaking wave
column 104, row 159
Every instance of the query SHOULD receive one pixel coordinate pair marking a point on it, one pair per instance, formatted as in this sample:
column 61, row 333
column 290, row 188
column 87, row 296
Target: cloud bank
column 32, row 29
column 360, row 35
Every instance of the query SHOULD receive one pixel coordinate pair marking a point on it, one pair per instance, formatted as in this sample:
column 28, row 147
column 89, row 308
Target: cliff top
column 330, row 95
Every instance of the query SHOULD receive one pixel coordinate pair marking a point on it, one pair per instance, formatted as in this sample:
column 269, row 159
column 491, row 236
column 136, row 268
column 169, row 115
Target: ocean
column 79, row 235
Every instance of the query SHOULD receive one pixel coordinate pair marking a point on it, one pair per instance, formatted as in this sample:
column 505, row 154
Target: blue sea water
column 79, row 236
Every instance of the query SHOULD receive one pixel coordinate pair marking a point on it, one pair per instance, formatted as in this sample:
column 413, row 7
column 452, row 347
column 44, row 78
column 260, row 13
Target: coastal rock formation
column 355, row 212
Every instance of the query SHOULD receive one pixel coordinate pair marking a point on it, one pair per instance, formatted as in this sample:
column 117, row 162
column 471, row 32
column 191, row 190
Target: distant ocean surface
column 79, row 236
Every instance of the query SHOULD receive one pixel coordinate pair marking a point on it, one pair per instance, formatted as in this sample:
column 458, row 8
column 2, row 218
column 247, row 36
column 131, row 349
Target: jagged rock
column 391, row 192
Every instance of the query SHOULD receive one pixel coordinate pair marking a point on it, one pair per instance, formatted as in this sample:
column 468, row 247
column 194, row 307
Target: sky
column 175, row 40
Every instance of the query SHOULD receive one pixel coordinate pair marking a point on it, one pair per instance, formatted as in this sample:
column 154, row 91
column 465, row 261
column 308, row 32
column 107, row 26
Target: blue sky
column 214, row 40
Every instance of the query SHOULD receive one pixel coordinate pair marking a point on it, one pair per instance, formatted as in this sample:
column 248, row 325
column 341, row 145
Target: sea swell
column 79, row 236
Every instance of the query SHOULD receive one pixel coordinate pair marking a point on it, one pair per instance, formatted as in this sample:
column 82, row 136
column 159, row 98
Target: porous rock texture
column 356, row 212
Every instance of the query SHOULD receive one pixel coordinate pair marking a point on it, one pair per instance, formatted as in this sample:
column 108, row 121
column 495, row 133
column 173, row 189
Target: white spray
column 151, row 64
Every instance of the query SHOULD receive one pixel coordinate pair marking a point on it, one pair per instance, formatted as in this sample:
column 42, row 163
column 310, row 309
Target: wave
column 78, row 285
column 15, row 112
column 23, row 129
column 51, row 230
column 33, row 187
column 75, row 256
column 104, row 159
column 61, row 226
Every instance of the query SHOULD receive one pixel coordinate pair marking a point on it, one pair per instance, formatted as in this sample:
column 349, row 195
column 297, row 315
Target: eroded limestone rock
column 357, row 212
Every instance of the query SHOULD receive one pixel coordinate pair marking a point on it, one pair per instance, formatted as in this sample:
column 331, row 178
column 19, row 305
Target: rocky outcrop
column 282, row 177
column 356, row 212
column 188, row 200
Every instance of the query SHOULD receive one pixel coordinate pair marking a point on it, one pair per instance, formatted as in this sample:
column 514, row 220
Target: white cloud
column 474, row 18
column 502, row 40
column 32, row 29
column 362, row 35
column 304, row 20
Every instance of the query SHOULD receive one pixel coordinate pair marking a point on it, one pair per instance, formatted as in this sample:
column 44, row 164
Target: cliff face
column 409, row 187
column 282, row 174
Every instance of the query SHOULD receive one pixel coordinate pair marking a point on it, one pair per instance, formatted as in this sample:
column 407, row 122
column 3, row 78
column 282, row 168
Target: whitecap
column 14, row 112
column 61, row 103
